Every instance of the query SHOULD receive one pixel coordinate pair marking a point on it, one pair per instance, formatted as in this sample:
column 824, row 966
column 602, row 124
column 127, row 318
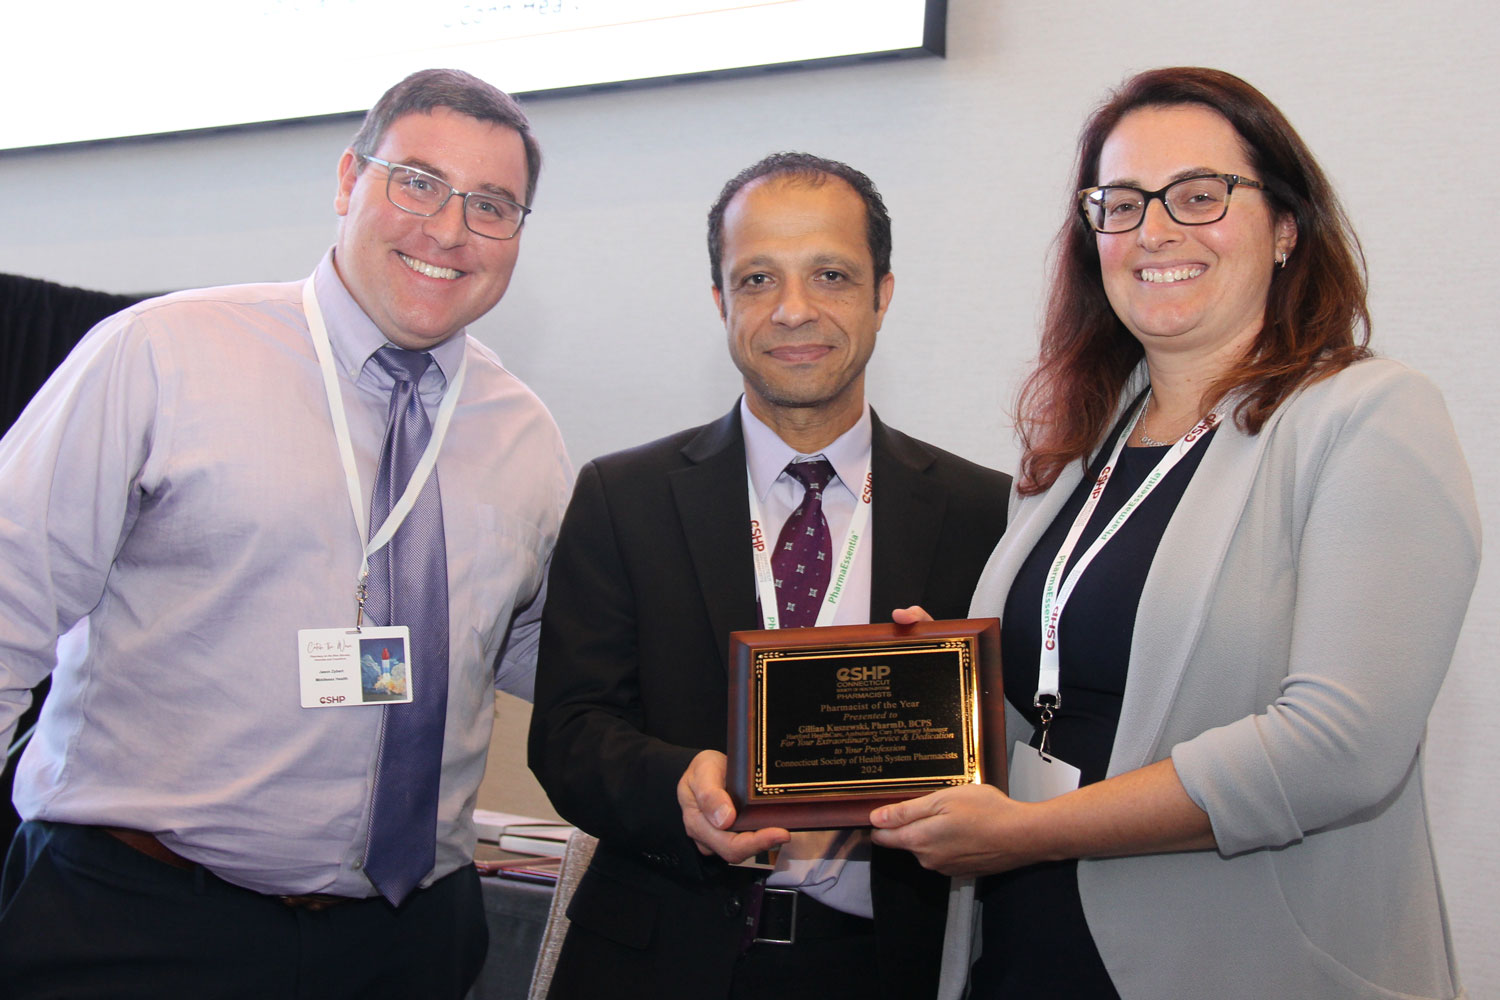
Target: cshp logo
column 876, row 673
column 757, row 537
column 1104, row 475
column 869, row 491
column 1205, row 425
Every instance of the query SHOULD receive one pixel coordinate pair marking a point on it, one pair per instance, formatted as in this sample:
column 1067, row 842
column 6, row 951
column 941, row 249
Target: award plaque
column 826, row 724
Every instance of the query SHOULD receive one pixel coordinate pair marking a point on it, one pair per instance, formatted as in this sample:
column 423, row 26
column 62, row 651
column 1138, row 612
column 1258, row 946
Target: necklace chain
column 1140, row 425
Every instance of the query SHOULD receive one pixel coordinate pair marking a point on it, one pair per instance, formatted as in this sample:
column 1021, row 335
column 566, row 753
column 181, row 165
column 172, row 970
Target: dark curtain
column 39, row 323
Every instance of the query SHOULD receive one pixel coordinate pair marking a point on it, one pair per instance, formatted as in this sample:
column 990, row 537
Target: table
column 517, row 916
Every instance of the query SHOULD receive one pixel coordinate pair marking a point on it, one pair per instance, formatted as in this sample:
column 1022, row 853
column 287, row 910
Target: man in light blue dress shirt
column 192, row 828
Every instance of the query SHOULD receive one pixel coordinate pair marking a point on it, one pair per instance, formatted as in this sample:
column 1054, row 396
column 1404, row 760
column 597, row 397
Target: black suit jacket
column 651, row 573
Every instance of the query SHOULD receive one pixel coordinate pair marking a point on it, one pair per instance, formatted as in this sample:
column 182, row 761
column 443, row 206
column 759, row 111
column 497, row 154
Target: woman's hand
column 968, row 830
column 910, row 616
column 978, row 830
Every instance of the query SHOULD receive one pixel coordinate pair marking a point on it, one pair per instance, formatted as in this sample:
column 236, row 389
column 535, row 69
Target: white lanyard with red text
column 765, row 579
column 424, row 465
column 1056, row 590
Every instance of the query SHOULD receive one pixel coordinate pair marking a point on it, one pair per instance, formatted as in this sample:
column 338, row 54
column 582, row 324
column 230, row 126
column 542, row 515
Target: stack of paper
column 522, row 834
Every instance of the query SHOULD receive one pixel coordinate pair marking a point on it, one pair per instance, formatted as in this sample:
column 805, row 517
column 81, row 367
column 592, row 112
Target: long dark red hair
column 1316, row 319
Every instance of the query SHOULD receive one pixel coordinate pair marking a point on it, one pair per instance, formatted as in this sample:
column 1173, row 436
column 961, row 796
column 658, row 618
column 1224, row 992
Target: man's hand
column 910, row 616
column 707, row 812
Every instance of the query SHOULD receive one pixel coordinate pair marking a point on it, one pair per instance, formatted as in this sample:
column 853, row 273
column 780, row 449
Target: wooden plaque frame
column 826, row 724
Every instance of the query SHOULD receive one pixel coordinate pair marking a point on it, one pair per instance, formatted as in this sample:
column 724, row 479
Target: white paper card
column 341, row 667
column 1034, row 778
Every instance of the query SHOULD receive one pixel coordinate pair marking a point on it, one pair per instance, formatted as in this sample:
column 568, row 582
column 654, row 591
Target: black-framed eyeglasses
column 1191, row 201
column 420, row 193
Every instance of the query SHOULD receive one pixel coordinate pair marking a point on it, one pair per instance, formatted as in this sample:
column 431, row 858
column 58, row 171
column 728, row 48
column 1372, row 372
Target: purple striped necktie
column 408, row 585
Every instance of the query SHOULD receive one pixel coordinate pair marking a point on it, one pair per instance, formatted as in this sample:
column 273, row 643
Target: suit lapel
column 710, row 494
column 713, row 508
column 1029, row 518
column 1180, row 585
column 907, row 514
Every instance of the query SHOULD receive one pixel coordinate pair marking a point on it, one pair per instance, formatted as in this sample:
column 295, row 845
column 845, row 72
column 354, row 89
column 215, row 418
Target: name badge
column 341, row 667
column 1034, row 778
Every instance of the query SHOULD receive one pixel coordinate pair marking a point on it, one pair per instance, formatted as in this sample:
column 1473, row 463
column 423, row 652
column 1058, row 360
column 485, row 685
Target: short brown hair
column 463, row 92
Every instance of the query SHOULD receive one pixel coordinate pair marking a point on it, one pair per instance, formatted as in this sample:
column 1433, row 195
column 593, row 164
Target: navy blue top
column 1036, row 943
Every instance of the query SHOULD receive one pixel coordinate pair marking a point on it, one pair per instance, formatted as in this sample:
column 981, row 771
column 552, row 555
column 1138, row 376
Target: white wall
column 610, row 319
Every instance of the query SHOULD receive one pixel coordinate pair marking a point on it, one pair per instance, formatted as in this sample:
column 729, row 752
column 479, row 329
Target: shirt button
column 733, row 906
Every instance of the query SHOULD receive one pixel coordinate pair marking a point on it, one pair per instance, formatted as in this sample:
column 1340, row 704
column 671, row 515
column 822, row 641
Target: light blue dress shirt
column 177, row 482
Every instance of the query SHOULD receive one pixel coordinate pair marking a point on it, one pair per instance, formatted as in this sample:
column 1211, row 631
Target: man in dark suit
column 653, row 570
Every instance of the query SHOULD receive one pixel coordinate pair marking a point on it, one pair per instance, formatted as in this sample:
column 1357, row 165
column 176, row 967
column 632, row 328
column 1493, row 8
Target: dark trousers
column 661, row 964
column 84, row 916
column 843, row 967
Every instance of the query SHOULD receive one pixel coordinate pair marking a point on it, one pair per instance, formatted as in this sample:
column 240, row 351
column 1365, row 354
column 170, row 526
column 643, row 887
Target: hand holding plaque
column 706, row 806
column 826, row 724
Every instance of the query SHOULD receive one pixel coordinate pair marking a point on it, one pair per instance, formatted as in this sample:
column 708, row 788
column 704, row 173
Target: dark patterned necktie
column 803, row 561
column 408, row 585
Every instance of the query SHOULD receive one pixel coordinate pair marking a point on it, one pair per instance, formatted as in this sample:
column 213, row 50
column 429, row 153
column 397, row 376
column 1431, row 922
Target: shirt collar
column 355, row 337
column 766, row 455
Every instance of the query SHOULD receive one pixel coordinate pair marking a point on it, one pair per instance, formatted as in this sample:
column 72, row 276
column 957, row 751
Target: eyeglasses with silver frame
column 419, row 193
column 1190, row 201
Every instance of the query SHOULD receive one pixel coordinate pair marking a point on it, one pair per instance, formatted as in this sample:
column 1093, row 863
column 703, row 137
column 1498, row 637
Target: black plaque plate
column 826, row 724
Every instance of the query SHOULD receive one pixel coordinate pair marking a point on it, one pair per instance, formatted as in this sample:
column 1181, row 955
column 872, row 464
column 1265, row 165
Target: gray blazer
column 1295, row 626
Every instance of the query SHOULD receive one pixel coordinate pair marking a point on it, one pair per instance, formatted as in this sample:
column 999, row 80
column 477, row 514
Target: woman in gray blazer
column 1239, row 555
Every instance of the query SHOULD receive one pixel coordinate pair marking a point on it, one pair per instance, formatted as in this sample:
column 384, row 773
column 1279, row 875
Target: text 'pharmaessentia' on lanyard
column 765, row 578
column 1056, row 590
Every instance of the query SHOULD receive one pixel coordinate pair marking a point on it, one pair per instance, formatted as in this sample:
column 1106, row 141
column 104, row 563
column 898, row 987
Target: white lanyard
column 346, row 450
column 1055, row 596
column 765, row 580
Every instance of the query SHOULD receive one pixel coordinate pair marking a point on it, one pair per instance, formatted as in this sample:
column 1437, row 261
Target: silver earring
column 1281, row 259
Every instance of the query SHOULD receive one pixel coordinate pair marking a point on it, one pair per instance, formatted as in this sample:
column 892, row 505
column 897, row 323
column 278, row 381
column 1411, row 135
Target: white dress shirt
column 832, row 866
